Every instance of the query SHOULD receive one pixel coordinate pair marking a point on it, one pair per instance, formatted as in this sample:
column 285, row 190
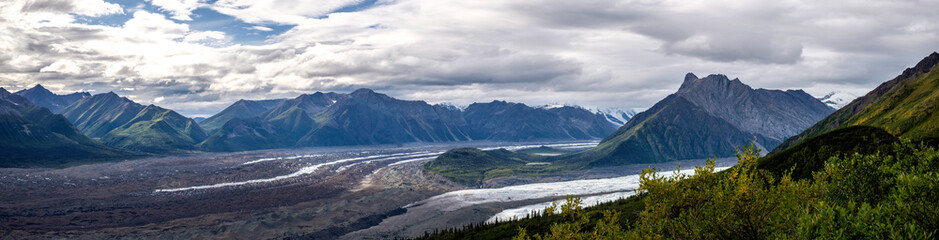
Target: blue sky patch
column 203, row 19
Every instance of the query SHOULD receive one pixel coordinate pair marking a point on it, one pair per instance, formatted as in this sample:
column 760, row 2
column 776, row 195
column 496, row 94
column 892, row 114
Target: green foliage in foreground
column 892, row 195
column 810, row 156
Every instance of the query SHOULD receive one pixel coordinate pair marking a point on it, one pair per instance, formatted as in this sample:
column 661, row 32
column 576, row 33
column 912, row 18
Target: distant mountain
column 199, row 119
column 245, row 134
column 122, row 123
column 707, row 117
column 310, row 104
column 905, row 106
column 365, row 117
column 42, row 97
column 616, row 116
column 504, row 121
column 450, row 106
column 240, row 109
column 837, row 99
column 31, row 136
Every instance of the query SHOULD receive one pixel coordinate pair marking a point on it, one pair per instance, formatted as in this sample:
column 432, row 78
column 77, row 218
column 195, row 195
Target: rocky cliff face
column 773, row 113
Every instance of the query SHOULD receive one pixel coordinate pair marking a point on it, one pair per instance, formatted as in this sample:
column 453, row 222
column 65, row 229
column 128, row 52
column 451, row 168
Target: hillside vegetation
column 905, row 106
column 889, row 194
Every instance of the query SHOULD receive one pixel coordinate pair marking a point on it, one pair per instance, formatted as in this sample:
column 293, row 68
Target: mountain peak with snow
column 615, row 115
column 837, row 99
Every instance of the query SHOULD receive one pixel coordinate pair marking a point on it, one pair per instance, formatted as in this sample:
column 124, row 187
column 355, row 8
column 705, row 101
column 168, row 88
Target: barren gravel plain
column 313, row 193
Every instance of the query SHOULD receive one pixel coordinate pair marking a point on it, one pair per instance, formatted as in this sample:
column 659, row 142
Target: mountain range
column 120, row 122
column 904, row 106
column 32, row 135
column 707, row 117
column 240, row 109
column 365, row 117
column 40, row 96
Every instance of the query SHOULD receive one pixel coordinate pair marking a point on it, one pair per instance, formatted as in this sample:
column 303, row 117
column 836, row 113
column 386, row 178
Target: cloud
column 262, row 28
column 282, row 11
column 592, row 52
column 93, row 8
column 155, row 26
column 180, row 9
column 62, row 66
column 208, row 38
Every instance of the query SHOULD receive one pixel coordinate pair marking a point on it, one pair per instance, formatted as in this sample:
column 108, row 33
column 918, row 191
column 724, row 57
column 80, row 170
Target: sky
column 199, row 56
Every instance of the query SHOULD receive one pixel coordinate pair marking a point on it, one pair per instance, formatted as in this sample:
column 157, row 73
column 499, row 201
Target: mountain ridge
column 903, row 106
column 366, row 117
column 40, row 96
column 123, row 123
column 705, row 117
column 33, row 136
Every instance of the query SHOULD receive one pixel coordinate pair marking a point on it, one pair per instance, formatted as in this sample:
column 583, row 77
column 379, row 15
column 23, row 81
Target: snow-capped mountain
column 616, row 116
column 837, row 99
column 451, row 106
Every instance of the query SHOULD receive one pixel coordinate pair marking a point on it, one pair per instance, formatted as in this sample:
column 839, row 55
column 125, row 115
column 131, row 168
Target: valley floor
column 321, row 193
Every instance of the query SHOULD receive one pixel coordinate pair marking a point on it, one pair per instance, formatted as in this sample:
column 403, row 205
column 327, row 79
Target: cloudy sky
column 198, row 56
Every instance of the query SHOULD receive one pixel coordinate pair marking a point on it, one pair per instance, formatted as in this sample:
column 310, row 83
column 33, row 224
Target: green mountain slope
column 120, row 122
column 673, row 129
column 905, row 106
column 31, row 136
column 809, row 156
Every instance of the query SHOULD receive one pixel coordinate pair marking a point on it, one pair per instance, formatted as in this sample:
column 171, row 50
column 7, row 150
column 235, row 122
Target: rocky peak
column 714, row 84
column 923, row 66
column 762, row 111
column 40, row 89
column 363, row 92
column 690, row 77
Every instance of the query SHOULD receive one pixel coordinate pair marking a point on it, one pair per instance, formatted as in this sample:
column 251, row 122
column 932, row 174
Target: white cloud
column 180, row 9
column 154, row 25
column 96, row 8
column 281, row 11
column 208, row 38
column 62, row 66
column 262, row 28
column 589, row 52
column 93, row 8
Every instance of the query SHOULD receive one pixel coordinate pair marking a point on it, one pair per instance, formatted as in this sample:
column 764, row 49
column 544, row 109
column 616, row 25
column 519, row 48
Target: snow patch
column 837, row 99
